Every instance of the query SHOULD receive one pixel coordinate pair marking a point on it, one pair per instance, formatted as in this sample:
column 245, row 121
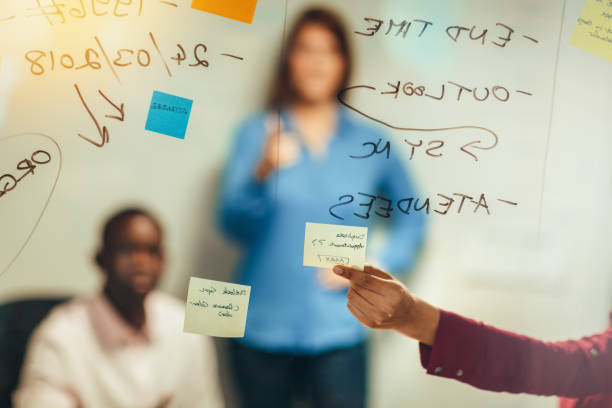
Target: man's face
column 134, row 259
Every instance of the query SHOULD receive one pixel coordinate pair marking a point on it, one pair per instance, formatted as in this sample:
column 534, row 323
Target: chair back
column 17, row 321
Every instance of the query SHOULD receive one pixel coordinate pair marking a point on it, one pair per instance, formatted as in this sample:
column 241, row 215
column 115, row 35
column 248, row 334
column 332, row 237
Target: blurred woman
column 292, row 165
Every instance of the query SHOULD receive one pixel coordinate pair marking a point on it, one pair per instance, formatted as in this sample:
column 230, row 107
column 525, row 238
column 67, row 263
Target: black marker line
column 107, row 59
column 471, row 144
column 284, row 45
column 550, row 119
column 232, row 56
column 507, row 202
column 59, row 171
column 119, row 108
column 160, row 53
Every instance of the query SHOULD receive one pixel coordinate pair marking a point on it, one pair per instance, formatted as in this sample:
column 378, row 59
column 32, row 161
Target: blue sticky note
column 168, row 114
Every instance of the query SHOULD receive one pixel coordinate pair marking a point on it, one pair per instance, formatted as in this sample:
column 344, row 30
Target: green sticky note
column 326, row 245
column 593, row 31
column 216, row 308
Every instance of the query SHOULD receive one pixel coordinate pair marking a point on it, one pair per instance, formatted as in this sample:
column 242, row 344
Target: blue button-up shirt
column 289, row 310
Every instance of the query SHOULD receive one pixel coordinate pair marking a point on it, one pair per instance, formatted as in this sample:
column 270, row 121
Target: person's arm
column 43, row 382
column 244, row 201
column 480, row 355
column 499, row 360
column 404, row 238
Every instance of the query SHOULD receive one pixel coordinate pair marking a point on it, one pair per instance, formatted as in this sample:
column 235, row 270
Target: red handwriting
column 102, row 131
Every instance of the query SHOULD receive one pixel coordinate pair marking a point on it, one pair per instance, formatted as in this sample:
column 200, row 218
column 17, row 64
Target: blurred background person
column 125, row 346
column 291, row 165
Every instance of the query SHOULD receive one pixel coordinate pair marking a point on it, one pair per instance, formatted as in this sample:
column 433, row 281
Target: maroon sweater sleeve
column 498, row 360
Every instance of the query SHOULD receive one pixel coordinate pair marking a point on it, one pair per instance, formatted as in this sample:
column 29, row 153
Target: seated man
column 125, row 346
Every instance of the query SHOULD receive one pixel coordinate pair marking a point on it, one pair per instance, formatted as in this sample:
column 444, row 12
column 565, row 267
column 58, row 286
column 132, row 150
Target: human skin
column 316, row 70
column 380, row 301
column 133, row 262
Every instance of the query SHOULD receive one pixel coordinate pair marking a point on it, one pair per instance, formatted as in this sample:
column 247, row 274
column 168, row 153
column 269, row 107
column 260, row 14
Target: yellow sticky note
column 593, row 32
column 241, row 10
column 326, row 245
column 216, row 308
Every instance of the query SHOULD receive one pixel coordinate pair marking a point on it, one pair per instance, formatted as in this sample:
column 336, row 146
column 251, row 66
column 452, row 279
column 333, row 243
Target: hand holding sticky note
column 593, row 32
column 326, row 245
column 216, row 308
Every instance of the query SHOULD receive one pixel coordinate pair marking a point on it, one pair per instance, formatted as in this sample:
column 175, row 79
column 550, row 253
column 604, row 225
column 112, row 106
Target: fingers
column 375, row 298
column 377, row 308
column 366, row 278
column 279, row 145
column 359, row 315
column 377, row 272
column 362, row 302
column 370, row 315
column 273, row 124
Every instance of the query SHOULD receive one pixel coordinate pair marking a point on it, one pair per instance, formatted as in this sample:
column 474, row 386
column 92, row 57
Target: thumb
column 377, row 272
column 362, row 277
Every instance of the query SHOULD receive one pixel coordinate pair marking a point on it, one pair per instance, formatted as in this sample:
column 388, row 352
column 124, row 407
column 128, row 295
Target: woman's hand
column 281, row 150
column 380, row 301
column 332, row 281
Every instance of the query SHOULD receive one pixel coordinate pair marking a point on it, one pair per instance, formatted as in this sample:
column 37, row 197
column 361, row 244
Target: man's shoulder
column 64, row 320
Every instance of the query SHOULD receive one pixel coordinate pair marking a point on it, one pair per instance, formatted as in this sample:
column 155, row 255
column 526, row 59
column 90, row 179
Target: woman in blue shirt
column 293, row 165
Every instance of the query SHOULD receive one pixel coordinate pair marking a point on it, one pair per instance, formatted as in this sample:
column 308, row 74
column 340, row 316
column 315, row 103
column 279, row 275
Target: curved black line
column 382, row 122
column 59, row 171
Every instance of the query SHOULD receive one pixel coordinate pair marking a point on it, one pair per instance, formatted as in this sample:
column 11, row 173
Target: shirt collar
column 342, row 120
column 111, row 329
